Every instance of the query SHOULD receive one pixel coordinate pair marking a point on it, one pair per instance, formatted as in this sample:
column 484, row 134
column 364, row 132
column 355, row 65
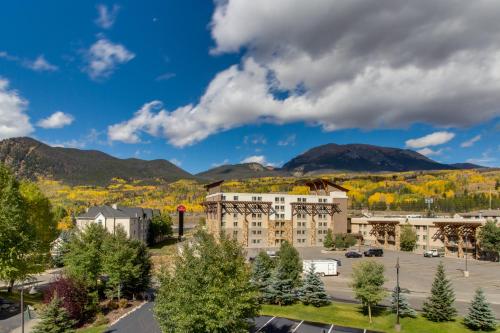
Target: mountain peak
column 31, row 159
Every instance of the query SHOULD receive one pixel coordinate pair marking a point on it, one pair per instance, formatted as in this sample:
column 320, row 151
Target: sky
column 204, row 83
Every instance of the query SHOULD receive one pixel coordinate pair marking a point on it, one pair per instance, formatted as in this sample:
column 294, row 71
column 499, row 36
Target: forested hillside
column 453, row 191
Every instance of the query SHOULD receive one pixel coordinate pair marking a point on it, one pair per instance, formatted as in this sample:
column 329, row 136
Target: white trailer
column 323, row 267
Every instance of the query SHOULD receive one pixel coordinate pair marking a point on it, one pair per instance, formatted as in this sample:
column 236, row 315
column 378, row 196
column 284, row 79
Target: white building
column 134, row 220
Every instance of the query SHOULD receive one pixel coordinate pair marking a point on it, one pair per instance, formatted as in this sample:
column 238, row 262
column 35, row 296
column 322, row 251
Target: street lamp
column 466, row 272
column 398, row 326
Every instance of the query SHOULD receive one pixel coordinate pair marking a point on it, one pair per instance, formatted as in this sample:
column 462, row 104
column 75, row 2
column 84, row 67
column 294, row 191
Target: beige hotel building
column 265, row 220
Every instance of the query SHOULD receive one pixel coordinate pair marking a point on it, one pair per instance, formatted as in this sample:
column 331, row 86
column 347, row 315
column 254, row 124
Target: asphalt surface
column 416, row 276
column 142, row 320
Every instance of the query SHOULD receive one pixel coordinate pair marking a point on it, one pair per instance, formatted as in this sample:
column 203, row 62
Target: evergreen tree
column 405, row 310
column 480, row 315
column 208, row 289
column 313, row 290
column 328, row 242
column 54, row 318
column 280, row 289
column 262, row 270
column 439, row 306
column 290, row 263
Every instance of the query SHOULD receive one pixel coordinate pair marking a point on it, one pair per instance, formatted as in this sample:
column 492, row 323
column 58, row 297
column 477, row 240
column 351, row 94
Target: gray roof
column 483, row 213
column 119, row 212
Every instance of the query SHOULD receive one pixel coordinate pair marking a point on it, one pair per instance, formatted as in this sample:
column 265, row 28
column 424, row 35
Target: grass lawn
column 351, row 315
column 167, row 247
column 15, row 296
column 97, row 329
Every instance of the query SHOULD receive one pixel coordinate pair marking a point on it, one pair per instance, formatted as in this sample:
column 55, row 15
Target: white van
column 323, row 267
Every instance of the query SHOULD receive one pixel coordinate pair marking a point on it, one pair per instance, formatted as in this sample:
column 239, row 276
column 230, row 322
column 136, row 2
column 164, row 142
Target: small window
column 235, row 223
column 282, row 199
column 276, row 199
column 235, row 198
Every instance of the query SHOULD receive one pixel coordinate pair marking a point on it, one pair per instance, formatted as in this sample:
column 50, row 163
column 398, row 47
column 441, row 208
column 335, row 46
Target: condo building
column 265, row 220
column 455, row 235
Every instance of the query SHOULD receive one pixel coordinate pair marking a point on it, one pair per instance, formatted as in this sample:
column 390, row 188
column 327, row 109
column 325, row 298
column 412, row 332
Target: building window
column 276, row 199
column 259, row 198
column 276, row 208
column 235, row 215
column 424, row 237
column 235, row 198
column 259, row 224
column 235, row 223
column 235, row 233
column 223, row 197
column 282, row 199
column 282, row 216
column 424, row 228
column 254, row 215
column 259, row 215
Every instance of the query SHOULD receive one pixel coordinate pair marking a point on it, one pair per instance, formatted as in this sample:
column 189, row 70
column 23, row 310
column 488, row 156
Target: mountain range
column 30, row 159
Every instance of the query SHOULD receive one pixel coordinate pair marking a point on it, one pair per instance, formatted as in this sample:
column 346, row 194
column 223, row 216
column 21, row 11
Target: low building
column 455, row 235
column 134, row 220
column 265, row 220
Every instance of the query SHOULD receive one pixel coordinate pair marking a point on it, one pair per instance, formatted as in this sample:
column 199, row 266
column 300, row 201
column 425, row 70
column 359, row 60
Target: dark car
column 353, row 254
column 374, row 253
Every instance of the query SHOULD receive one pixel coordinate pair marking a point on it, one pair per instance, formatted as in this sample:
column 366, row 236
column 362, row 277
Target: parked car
column 353, row 254
column 434, row 253
column 374, row 253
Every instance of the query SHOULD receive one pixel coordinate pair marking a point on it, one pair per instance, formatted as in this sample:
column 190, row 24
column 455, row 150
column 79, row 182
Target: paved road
column 416, row 275
column 142, row 320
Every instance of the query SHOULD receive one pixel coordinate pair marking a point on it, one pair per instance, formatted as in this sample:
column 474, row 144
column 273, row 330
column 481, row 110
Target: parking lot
column 416, row 275
column 267, row 324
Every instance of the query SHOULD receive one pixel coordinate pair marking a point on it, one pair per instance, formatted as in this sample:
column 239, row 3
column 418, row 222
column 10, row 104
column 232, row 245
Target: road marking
column 297, row 327
column 331, row 328
column 270, row 320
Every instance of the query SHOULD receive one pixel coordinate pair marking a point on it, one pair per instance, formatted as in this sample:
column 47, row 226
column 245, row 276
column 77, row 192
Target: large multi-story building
column 456, row 235
column 265, row 220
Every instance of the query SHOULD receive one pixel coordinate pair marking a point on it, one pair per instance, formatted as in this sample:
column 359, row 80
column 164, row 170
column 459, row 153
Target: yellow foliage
column 301, row 190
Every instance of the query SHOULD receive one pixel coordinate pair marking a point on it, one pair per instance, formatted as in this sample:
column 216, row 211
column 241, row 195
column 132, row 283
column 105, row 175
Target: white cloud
column 433, row 139
column 165, row 76
column 255, row 139
column 429, row 152
column 92, row 137
column 288, row 141
column 106, row 16
column 104, row 56
column 218, row 164
column 40, row 64
column 348, row 64
column 485, row 160
column 58, row 119
column 470, row 142
column 13, row 118
column 261, row 159
column 176, row 162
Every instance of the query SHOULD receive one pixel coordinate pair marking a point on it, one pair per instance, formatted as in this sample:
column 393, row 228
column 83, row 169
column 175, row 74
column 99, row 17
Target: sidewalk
column 28, row 326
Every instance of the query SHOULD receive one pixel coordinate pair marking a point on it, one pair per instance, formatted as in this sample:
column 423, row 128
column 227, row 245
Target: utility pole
column 398, row 325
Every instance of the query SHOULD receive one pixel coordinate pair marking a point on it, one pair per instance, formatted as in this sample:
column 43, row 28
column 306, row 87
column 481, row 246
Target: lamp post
column 22, row 307
column 466, row 272
column 398, row 326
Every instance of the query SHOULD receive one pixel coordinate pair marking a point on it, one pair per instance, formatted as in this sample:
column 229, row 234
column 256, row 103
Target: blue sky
column 243, row 81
